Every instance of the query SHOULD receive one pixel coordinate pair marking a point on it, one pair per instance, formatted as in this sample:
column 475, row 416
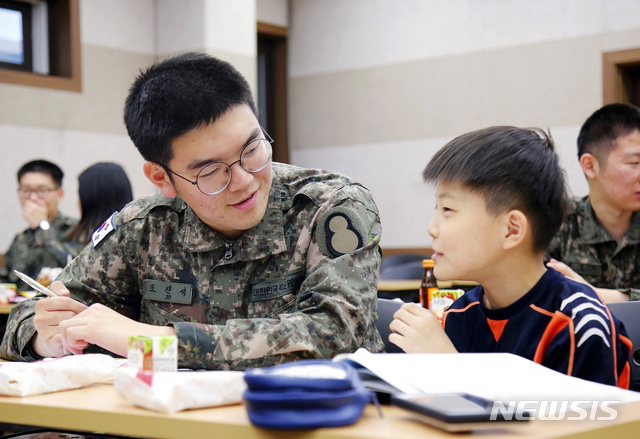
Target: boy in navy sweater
column 501, row 197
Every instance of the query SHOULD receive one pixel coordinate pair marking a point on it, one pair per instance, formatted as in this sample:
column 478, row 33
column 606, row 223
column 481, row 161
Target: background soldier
column 41, row 244
column 599, row 242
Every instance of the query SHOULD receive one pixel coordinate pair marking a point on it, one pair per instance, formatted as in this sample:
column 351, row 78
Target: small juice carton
column 442, row 299
column 154, row 352
column 7, row 293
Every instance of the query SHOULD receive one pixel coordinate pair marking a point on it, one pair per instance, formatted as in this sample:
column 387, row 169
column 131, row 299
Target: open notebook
column 493, row 376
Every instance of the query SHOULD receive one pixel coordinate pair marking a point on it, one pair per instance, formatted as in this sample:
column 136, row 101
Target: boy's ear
column 159, row 177
column 590, row 165
column 517, row 229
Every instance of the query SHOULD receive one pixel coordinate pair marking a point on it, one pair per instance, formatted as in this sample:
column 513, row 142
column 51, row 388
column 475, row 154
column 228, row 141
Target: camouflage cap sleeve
column 106, row 270
column 19, row 332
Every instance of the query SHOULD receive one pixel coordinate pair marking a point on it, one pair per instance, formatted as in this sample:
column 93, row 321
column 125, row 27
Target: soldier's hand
column 106, row 328
column 416, row 330
column 50, row 313
column 606, row 294
column 564, row 269
column 34, row 212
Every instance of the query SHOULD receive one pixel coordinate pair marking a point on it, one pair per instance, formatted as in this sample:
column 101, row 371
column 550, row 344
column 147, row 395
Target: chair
column 629, row 314
column 386, row 309
column 402, row 267
column 408, row 270
column 400, row 259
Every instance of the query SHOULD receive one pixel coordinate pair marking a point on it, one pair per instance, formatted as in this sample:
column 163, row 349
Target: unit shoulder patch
column 339, row 232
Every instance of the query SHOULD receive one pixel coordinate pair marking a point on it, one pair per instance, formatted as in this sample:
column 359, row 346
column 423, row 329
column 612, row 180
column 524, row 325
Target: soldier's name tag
column 273, row 290
column 168, row 292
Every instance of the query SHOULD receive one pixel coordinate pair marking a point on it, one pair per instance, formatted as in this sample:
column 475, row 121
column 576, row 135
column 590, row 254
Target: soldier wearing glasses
column 41, row 244
column 249, row 262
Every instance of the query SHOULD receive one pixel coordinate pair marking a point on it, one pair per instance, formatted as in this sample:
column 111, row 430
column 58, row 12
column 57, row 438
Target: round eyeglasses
column 41, row 192
column 216, row 176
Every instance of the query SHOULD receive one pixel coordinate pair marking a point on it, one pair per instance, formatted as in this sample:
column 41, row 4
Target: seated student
column 500, row 199
column 103, row 188
column 599, row 241
column 249, row 263
column 41, row 244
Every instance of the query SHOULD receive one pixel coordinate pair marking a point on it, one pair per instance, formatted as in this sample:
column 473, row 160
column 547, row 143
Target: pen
column 35, row 285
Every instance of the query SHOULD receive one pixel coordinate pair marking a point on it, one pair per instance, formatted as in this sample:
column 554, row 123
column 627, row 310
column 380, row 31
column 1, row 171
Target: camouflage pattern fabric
column 271, row 296
column 589, row 250
column 32, row 250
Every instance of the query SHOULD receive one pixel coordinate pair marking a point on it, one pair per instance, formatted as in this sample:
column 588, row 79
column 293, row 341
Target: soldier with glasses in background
column 41, row 244
column 248, row 262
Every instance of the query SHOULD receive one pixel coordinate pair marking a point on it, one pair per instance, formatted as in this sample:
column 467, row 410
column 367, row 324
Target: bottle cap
column 428, row 263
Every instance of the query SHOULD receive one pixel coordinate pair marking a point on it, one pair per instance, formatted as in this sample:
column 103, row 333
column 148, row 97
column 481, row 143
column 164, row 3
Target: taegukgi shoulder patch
column 339, row 232
column 103, row 231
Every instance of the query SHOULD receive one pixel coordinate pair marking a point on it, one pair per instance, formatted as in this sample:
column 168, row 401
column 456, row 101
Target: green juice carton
column 442, row 299
column 153, row 352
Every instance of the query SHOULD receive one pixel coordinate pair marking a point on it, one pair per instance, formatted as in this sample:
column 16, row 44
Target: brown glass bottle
column 429, row 283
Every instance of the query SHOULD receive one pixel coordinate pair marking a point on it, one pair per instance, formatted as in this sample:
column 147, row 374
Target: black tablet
column 457, row 412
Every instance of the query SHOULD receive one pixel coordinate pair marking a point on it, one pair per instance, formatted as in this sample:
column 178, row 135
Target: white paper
column 54, row 374
column 171, row 392
column 493, row 376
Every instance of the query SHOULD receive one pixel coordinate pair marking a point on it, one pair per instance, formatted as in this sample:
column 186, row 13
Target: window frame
column 64, row 52
column 27, row 47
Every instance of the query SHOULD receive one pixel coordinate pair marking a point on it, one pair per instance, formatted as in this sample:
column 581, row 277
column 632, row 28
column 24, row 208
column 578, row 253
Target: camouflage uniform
column 589, row 250
column 281, row 292
column 32, row 250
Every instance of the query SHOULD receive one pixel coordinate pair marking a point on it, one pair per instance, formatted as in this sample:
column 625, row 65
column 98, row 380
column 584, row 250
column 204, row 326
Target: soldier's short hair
column 178, row 95
column 510, row 168
column 600, row 131
column 42, row 167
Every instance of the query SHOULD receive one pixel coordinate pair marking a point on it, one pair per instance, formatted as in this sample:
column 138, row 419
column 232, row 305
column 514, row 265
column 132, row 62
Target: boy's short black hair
column 42, row 167
column 600, row 131
column 177, row 95
column 511, row 168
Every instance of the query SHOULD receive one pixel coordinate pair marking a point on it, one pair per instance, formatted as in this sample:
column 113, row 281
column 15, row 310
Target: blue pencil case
column 305, row 394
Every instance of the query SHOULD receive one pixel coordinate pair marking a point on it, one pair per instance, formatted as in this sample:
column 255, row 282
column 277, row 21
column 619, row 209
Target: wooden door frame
column 612, row 82
column 280, row 130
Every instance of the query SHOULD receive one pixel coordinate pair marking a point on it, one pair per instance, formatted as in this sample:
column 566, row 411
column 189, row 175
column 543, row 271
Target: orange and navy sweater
column 559, row 323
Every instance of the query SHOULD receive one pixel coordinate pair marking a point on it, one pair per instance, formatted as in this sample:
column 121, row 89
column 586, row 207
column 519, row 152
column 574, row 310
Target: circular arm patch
column 340, row 232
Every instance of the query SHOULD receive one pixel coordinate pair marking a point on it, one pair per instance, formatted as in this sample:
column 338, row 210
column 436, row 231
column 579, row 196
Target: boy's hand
column 416, row 330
